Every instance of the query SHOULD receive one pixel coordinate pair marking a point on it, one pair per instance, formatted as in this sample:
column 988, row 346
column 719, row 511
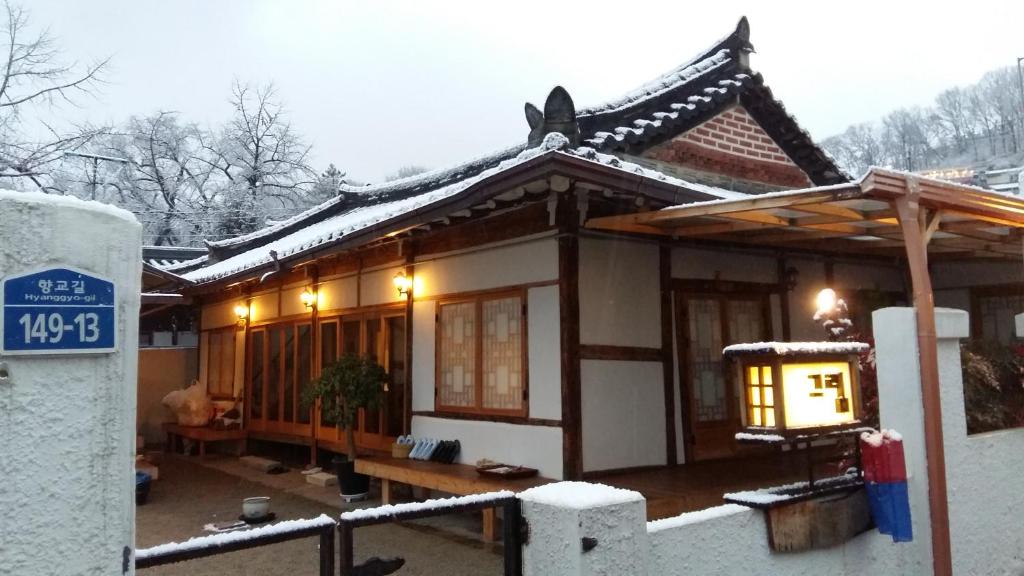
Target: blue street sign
column 58, row 311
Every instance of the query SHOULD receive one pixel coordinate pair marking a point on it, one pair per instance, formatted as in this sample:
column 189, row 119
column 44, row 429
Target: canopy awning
column 884, row 213
column 858, row 218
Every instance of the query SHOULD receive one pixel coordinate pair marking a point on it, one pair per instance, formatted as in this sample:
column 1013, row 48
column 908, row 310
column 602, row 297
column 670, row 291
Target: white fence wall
column 983, row 474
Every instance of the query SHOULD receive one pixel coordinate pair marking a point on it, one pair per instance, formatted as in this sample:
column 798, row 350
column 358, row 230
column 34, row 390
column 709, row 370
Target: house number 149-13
column 45, row 328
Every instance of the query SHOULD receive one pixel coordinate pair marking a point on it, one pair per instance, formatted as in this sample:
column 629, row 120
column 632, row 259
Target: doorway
column 381, row 336
column 708, row 318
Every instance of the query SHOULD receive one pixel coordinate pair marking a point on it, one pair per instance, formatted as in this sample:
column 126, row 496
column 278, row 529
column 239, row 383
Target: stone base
column 322, row 479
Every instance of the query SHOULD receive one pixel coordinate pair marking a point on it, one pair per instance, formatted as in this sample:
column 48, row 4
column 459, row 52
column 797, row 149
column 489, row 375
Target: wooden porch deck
column 672, row 490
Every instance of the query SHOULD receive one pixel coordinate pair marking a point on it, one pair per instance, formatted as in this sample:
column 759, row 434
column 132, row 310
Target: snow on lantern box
column 796, row 389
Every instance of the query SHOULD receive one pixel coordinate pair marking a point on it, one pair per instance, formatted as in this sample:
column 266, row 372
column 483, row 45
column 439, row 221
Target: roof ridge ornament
column 559, row 116
column 742, row 34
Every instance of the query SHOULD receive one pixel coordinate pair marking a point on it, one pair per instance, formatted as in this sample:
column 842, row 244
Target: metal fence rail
column 512, row 523
column 214, row 544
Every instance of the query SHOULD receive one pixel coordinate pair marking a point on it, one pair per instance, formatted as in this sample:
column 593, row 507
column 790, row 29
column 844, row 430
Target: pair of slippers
column 431, row 449
column 446, row 451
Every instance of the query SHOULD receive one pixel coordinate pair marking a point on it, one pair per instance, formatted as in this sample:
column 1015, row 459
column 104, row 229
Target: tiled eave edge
column 549, row 164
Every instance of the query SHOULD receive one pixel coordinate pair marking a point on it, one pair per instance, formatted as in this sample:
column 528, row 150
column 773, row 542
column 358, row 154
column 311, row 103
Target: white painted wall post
column 67, row 422
column 561, row 515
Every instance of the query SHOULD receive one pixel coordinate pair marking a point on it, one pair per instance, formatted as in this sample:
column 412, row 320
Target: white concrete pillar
column 900, row 403
column 67, row 409
column 1018, row 322
column 563, row 514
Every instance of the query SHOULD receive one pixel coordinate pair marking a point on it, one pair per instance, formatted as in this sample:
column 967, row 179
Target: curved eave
column 549, row 164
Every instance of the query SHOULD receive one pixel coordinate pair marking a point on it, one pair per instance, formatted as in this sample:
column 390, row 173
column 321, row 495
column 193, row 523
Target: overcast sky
column 377, row 85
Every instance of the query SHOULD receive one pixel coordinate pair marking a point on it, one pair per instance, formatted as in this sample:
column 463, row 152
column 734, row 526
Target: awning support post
column 916, row 246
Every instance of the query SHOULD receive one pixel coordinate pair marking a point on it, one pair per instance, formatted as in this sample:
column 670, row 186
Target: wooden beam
column 620, row 353
column 667, row 365
column 569, row 330
column 924, row 303
column 784, row 200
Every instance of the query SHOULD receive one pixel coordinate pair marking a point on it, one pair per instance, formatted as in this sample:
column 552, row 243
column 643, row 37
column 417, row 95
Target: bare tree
column 259, row 150
column 405, row 172
column 32, row 73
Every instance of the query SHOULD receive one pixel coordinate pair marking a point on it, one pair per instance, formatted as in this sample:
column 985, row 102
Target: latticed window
column 480, row 360
column 760, row 396
column 220, row 363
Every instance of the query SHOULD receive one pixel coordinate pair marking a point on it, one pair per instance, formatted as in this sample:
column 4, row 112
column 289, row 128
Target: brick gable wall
column 732, row 144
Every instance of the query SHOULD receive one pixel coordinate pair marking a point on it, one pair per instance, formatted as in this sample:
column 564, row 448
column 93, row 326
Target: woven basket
column 401, row 450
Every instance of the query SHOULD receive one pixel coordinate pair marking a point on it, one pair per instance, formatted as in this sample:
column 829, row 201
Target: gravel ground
column 189, row 495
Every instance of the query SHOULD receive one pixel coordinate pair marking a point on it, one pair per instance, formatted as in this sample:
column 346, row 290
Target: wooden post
column 668, row 369
column 314, row 346
column 783, row 298
column 917, row 261
column 410, row 273
column 569, row 327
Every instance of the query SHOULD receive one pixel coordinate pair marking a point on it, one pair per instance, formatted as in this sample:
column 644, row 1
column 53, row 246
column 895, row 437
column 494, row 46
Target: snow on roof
column 579, row 495
column 588, row 153
column 793, row 348
column 663, row 83
column 355, row 219
column 411, row 185
column 68, row 201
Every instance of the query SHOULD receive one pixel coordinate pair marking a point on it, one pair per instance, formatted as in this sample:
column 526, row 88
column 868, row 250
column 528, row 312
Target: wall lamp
column 242, row 311
column 308, row 298
column 790, row 278
column 403, row 284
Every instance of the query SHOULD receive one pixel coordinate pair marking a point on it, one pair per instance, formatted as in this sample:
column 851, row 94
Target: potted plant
column 345, row 386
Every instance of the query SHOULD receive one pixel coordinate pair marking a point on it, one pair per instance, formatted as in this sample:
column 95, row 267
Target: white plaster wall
column 378, row 287
column 983, row 472
column 219, row 315
column 423, row 354
column 544, row 353
column 733, row 540
column 337, row 293
column 802, row 300
column 620, row 293
column 623, row 412
column 531, row 261
column 291, row 300
column 700, row 264
column 957, row 298
column 67, row 423
column 264, row 306
column 538, row 447
column 973, row 273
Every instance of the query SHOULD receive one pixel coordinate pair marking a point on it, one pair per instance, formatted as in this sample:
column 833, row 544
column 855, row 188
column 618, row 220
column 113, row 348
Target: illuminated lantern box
column 798, row 388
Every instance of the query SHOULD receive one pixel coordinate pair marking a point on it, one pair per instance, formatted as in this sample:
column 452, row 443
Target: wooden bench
column 458, row 479
column 202, row 434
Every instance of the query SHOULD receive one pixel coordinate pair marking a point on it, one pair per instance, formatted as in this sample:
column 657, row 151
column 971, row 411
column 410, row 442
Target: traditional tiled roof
column 376, row 217
column 692, row 94
column 660, row 109
column 167, row 257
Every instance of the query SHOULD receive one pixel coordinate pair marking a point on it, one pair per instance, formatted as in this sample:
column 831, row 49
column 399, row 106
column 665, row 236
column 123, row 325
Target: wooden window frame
column 478, row 300
column 265, row 329
column 210, row 335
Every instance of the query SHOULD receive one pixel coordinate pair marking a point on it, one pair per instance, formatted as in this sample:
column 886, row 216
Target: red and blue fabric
column 885, row 479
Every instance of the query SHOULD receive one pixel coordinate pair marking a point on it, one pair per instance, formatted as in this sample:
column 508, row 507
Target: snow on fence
column 214, row 544
column 608, row 534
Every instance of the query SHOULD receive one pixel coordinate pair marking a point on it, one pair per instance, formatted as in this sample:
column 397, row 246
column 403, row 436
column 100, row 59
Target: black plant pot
column 353, row 486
